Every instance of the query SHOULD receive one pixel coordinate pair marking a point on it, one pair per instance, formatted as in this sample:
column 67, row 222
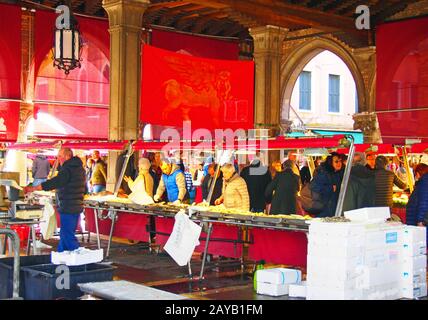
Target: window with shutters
column 305, row 90
column 334, row 93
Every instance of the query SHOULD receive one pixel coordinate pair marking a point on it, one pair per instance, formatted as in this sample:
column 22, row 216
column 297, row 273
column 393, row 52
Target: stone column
column 126, row 21
column 267, row 56
column 369, row 125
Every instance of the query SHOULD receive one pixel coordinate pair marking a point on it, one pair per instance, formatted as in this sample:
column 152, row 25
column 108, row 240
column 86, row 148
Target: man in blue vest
column 173, row 181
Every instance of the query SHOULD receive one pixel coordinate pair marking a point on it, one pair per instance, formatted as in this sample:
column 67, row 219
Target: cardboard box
column 375, row 214
column 77, row 258
column 297, row 290
column 272, row 289
column 414, row 234
column 415, row 292
column 279, row 276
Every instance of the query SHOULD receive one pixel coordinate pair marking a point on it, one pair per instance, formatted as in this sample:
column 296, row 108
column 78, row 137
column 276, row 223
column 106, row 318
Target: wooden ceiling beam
column 282, row 13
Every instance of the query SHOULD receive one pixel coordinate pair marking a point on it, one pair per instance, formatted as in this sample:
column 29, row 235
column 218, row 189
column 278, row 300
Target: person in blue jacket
column 327, row 183
column 417, row 207
column 173, row 181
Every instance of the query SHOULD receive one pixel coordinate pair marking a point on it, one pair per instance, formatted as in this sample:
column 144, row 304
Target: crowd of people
column 279, row 189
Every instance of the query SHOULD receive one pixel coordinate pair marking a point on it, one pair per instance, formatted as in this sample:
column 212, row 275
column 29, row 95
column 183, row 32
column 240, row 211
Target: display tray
column 241, row 217
column 117, row 205
column 210, row 214
column 92, row 203
column 267, row 219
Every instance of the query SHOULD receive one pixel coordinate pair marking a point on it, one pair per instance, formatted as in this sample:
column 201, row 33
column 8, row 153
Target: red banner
column 194, row 45
column 9, row 121
column 402, row 79
column 209, row 93
column 10, row 51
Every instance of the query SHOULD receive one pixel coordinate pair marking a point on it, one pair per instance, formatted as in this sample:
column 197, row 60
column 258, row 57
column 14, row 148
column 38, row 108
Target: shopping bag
column 183, row 240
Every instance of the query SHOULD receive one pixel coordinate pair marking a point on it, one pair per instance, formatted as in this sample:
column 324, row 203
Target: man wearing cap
column 173, row 181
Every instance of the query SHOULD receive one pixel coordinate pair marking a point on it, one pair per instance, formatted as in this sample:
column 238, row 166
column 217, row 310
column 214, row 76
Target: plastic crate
column 6, row 273
column 40, row 281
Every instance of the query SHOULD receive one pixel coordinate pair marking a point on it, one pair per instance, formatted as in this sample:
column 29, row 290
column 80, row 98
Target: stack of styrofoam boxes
column 275, row 282
column 360, row 259
column 414, row 268
column 383, row 260
column 335, row 251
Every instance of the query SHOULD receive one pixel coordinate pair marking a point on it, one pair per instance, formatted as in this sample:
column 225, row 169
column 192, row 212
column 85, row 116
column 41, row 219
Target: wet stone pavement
column 223, row 278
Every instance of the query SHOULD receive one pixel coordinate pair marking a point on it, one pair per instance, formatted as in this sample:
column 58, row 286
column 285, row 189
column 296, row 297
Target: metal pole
column 410, row 181
column 345, row 179
column 16, row 259
column 96, row 228
column 210, row 227
column 124, row 165
column 112, row 215
column 311, row 165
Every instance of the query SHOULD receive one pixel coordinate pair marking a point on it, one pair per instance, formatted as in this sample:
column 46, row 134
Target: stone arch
column 296, row 60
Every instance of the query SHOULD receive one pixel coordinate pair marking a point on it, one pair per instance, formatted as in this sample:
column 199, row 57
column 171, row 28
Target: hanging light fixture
column 67, row 41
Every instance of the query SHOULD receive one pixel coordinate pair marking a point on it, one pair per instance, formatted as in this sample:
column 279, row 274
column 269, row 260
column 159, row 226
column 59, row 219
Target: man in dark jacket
column 361, row 191
column 285, row 185
column 70, row 188
column 40, row 169
column 385, row 181
column 257, row 178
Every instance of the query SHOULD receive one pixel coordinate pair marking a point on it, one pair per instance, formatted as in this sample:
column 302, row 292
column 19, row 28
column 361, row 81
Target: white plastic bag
column 183, row 240
column 48, row 223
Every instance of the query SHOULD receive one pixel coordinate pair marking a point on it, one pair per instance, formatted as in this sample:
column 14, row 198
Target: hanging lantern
column 67, row 47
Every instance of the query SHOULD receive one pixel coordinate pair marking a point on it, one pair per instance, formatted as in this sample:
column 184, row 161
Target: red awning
column 372, row 148
column 277, row 144
column 419, row 148
column 84, row 145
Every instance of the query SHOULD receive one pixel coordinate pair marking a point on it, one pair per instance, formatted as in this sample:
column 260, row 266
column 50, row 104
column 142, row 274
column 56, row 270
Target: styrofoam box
column 368, row 214
column 383, row 255
column 316, row 280
column 336, row 241
column 338, row 229
column 384, row 236
column 279, row 276
column 414, row 263
column 379, row 276
column 72, row 258
column 414, row 234
column 415, row 249
column 297, row 290
column 272, row 289
column 323, row 293
column 390, row 291
column 335, row 251
column 415, row 292
column 333, row 268
column 413, row 277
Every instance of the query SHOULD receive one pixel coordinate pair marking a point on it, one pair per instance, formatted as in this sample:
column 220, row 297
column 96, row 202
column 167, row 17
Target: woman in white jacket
column 142, row 187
